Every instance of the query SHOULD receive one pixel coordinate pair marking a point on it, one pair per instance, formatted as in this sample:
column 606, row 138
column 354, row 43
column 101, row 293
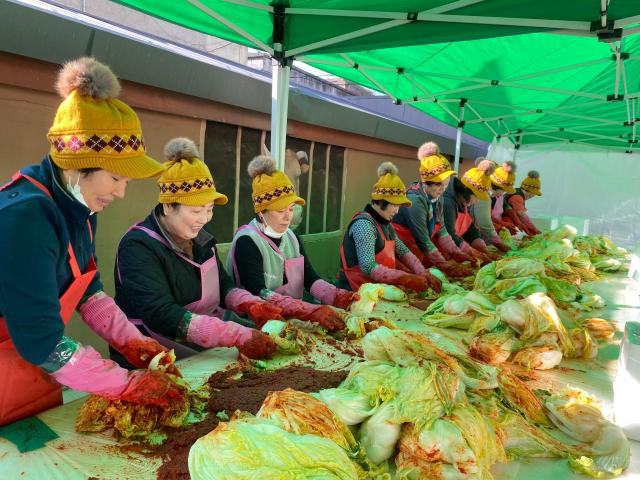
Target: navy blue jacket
column 34, row 263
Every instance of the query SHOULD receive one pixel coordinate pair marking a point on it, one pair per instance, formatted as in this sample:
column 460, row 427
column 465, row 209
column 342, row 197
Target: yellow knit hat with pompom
column 187, row 179
column 271, row 188
column 531, row 184
column 92, row 128
column 477, row 179
column 505, row 177
column 390, row 186
column 434, row 167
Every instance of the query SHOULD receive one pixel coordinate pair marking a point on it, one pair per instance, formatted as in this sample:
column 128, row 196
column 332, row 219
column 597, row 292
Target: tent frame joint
column 623, row 56
column 278, row 33
column 615, row 98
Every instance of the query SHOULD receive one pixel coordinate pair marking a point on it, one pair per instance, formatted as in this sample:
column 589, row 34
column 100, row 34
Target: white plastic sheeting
column 600, row 185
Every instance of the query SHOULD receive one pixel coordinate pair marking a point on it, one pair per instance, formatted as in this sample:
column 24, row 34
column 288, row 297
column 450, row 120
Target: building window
column 316, row 170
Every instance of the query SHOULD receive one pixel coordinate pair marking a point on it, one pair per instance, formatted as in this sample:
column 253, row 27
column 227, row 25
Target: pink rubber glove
column 475, row 254
column 324, row 291
column 449, row 268
column 479, row 245
column 391, row 276
column 446, row 244
column 88, row 372
column 331, row 295
column 241, row 301
column 434, row 259
column 497, row 242
column 530, row 228
column 209, row 332
column 103, row 316
column 411, row 261
column 294, row 308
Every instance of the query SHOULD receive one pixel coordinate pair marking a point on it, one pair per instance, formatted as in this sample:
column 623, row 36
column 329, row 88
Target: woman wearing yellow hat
column 514, row 204
column 482, row 210
column 169, row 276
column 371, row 250
column 502, row 183
column 420, row 226
column 267, row 258
column 47, row 253
column 460, row 196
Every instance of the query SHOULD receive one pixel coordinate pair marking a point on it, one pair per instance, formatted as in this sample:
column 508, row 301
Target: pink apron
column 208, row 304
column 293, row 268
column 498, row 207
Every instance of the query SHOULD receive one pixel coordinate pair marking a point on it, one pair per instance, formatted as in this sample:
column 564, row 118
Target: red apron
column 208, row 304
column 26, row 389
column 386, row 257
column 463, row 222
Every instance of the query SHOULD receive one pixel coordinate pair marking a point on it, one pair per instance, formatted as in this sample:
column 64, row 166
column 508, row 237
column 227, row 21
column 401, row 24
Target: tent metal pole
column 279, row 106
column 373, row 14
column 347, row 36
column 532, row 111
column 616, row 87
column 232, row 26
column 510, row 21
column 516, row 147
column 626, row 90
column 559, row 70
column 456, row 162
column 623, row 22
column 250, row 4
column 486, row 124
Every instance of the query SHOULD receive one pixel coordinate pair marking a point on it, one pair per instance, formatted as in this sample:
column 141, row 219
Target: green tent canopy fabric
column 333, row 26
column 531, row 71
column 540, row 87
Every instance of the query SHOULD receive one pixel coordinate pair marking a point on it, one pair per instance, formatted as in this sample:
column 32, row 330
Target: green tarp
column 529, row 68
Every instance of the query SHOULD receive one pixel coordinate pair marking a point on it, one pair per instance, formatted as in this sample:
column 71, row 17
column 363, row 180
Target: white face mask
column 75, row 192
column 268, row 231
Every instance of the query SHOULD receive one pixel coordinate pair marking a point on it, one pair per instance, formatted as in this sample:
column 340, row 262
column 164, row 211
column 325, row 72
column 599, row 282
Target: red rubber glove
column 452, row 269
column 261, row 312
column 259, row 345
column 433, row 281
column 413, row 282
column 140, row 351
column 327, row 317
column 152, row 387
column 344, row 298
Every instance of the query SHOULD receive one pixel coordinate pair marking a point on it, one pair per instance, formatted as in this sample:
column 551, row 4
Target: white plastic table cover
column 76, row 456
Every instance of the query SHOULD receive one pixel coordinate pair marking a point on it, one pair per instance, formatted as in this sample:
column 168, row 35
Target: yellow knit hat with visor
column 186, row 179
column 92, row 128
column 434, row 167
column 531, row 184
column 504, row 177
column 271, row 188
column 390, row 186
column 478, row 180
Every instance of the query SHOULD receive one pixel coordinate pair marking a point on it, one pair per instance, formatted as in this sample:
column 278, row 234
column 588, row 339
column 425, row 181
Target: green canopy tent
column 382, row 44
